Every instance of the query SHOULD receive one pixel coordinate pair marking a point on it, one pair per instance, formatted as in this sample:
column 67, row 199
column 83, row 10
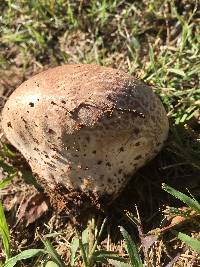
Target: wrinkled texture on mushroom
column 85, row 127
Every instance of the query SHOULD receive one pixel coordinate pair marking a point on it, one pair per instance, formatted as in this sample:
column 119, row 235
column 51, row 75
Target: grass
column 157, row 41
column 86, row 243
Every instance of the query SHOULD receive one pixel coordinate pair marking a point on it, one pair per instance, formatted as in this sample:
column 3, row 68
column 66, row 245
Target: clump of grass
column 10, row 261
column 84, row 246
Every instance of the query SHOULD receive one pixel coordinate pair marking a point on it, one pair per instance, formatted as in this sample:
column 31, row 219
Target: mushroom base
column 78, row 205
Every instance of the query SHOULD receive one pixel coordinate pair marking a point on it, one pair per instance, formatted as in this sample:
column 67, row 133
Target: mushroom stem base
column 76, row 204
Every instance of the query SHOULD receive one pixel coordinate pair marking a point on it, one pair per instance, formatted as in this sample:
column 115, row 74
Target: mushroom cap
column 85, row 127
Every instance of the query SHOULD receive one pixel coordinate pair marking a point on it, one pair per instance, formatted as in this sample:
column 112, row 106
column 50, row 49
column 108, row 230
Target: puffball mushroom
column 84, row 130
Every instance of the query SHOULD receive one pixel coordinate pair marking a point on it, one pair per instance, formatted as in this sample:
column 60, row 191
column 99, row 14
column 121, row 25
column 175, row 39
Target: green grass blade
column 82, row 248
column 190, row 241
column 85, row 236
column 74, row 248
column 27, row 254
column 53, row 253
column 192, row 203
column 131, row 249
column 103, row 256
column 7, row 152
column 176, row 211
column 98, row 238
column 177, row 71
column 4, row 231
column 30, row 179
column 7, row 181
column 152, row 58
column 7, row 168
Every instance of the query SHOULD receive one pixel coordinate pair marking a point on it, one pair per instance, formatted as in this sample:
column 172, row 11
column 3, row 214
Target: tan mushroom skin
column 86, row 127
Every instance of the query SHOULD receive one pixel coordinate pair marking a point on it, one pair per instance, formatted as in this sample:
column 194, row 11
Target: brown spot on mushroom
column 120, row 171
column 9, row 124
column 138, row 157
column 51, row 131
column 109, row 180
column 136, row 131
column 88, row 139
column 24, row 120
column 31, row 104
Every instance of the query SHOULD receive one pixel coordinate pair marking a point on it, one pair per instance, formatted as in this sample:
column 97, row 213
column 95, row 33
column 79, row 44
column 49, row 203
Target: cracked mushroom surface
column 85, row 129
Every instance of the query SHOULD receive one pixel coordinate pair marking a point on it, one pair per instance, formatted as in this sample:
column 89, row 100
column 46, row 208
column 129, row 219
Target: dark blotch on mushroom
column 136, row 131
column 51, row 131
column 88, row 139
column 138, row 157
column 9, row 124
column 31, row 104
column 120, row 171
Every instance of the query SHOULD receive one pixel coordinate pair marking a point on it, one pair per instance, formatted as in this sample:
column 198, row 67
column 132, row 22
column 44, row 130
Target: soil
column 77, row 205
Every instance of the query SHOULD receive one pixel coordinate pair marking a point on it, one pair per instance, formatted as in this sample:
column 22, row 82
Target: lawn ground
column 156, row 41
